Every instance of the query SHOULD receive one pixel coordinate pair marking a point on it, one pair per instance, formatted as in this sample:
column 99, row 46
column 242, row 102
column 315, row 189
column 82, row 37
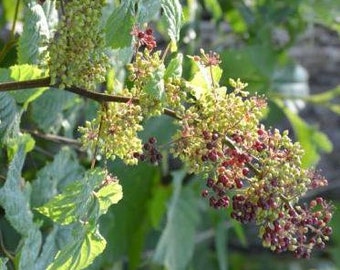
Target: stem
column 15, row 19
column 52, row 137
column 5, row 251
column 100, row 128
column 99, row 97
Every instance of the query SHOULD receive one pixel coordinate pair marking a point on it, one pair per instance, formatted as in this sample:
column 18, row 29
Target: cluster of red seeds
column 144, row 38
column 150, row 152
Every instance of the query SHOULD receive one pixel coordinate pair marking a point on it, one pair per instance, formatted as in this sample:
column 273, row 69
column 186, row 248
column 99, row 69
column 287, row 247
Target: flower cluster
column 115, row 132
column 76, row 55
column 146, row 73
column 221, row 137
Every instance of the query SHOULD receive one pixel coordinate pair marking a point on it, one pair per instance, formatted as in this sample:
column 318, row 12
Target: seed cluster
column 255, row 171
column 76, row 53
column 261, row 169
column 115, row 132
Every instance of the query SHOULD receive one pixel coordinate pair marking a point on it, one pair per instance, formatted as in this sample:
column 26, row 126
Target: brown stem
column 99, row 97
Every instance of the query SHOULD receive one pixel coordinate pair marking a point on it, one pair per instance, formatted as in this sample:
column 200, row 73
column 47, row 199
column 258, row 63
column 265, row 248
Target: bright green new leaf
column 108, row 195
column 81, row 250
column 173, row 18
column 176, row 245
column 79, row 201
column 22, row 73
column 205, row 80
column 119, row 25
column 174, row 69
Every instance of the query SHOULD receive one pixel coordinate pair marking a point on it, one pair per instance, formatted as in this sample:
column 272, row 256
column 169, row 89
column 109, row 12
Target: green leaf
column 57, row 102
column 76, row 202
column 22, row 73
column 14, row 198
column 35, row 32
column 173, row 18
column 221, row 244
column 54, row 177
column 155, row 84
column 79, row 201
column 204, row 78
column 174, row 69
column 214, row 7
column 157, row 204
column 126, row 225
column 176, row 245
column 108, row 195
column 80, row 251
column 8, row 112
column 49, row 250
column 311, row 139
column 119, row 25
column 147, row 10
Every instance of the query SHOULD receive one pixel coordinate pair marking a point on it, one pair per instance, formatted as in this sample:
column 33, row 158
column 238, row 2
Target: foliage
column 88, row 75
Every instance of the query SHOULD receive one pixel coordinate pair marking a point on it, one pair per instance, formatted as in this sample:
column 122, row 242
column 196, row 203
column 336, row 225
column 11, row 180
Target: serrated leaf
column 119, row 25
column 14, row 198
column 155, row 84
column 30, row 249
column 49, row 250
column 173, row 18
column 174, row 69
column 35, row 32
column 147, row 10
column 80, row 251
column 176, row 245
column 8, row 111
column 76, row 202
column 56, row 101
column 52, row 179
column 108, row 195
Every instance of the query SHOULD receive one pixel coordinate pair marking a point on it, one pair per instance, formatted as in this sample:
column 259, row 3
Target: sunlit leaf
column 119, row 25
column 173, row 17
column 54, row 177
column 80, row 252
column 174, row 69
